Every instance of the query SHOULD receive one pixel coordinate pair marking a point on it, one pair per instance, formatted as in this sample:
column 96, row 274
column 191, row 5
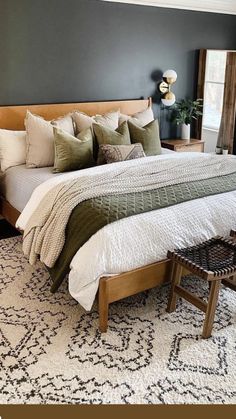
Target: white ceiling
column 215, row 6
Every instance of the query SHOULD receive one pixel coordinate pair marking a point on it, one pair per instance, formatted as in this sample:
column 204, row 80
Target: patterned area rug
column 52, row 352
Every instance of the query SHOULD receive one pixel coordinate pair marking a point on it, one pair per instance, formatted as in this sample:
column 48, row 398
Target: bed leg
column 103, row 305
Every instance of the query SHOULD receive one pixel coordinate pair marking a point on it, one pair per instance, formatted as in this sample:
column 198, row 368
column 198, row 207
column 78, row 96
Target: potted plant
column 184, row 112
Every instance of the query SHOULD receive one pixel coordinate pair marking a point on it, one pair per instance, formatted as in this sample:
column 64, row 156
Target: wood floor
column 6, row 230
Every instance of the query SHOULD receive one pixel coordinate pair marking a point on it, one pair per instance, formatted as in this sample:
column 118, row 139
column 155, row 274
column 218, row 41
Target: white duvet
column 141, row 239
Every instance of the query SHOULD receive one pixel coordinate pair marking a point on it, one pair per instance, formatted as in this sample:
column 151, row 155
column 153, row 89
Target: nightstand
column 183, row 145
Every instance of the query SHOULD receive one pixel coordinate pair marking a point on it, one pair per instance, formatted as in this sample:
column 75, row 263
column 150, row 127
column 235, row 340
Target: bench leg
column 103, row 306
column 230, row 282
column 175, row 280
column 211, row 309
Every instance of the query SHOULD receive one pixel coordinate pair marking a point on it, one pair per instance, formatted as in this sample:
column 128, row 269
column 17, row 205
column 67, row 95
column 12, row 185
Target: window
column 214, row 89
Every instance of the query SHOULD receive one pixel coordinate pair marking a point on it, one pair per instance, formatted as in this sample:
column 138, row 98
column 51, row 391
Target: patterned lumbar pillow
column 140, row 118
column 148, row 136
column 115, row 153
column 72, row 153
column 106, row 135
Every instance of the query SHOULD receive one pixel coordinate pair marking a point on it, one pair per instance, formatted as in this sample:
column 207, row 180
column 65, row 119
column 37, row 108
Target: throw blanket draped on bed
column 45, row 231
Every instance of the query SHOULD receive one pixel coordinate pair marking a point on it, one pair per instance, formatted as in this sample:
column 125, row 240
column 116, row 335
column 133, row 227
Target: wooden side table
column 183, row 145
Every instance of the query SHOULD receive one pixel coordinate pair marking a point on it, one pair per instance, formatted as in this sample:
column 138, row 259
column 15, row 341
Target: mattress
column 18, row 183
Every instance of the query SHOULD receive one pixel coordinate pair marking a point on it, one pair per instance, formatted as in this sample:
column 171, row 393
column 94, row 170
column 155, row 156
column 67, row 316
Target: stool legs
column 208, row 307
column 175, row 280
column 211, row 308
column 230, row 282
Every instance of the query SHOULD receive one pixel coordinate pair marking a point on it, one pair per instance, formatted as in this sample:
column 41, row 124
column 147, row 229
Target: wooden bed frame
column 110, row 288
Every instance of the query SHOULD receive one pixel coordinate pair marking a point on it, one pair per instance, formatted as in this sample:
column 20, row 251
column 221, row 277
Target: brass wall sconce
column 169, row 78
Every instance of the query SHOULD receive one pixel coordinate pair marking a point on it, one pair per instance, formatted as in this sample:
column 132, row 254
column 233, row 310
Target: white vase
column 224, row 151
column 185, row 131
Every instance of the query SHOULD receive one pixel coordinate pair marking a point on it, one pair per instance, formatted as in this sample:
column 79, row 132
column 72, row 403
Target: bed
column 150, row 270
column 18, row 183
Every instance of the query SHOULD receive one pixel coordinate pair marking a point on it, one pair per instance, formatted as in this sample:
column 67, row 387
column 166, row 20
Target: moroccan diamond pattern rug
column 52, row 352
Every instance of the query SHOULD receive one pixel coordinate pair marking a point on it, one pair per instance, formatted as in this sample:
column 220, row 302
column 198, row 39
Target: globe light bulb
column 168, row 99
column 170, row 76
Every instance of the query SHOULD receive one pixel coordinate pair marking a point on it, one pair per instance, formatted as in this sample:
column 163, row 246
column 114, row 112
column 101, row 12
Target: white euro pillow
column 141, row 118
column 40, row 138
column 84, row 121
column 40, row 141
column 65, row 123
column 12, row 148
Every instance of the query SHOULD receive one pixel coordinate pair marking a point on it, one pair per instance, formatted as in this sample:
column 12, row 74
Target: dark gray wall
column 84, row 50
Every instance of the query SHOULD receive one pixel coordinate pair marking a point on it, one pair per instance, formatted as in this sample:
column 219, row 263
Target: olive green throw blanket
column 91, row 215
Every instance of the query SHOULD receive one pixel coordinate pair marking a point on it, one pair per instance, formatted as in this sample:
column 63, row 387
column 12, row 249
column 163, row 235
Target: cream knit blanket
column 44, row 235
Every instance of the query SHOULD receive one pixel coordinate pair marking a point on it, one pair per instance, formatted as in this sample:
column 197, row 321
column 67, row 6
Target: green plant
column 186, row 109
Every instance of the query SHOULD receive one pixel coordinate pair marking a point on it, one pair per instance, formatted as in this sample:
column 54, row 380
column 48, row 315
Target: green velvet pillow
column 105, row 135
column 148, row 136
column 72, row 153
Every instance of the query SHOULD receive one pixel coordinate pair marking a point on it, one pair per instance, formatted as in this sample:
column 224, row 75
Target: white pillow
column 65, row 123
column 40, row 138
column 40, row 141
column 83, row 121
column 12, row 148
column 140, row 118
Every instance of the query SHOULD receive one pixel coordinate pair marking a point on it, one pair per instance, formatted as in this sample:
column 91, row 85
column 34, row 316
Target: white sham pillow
column 83, row 121
column 65, row 123
column 12, row 148
column 40, row 138
column 140, row 118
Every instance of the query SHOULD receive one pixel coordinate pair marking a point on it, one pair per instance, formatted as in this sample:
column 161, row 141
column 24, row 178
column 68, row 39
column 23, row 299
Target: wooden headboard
column 12, row 117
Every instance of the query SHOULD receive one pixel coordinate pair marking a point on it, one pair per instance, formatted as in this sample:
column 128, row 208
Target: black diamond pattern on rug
column 25, row 335
column 182, row 355
column 123, row 347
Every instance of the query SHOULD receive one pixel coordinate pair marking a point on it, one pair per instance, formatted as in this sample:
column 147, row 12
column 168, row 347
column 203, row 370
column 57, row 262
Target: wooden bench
column 231, row 281
column 214, row 261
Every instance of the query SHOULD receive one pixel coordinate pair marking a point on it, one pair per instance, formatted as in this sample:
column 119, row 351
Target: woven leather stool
column 213, row 260
column 231, row 281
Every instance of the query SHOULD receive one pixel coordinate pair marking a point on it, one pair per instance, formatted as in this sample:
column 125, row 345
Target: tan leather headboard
column 12, row 117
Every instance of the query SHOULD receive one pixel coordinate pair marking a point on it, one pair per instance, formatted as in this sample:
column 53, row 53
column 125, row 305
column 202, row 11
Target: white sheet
column 18, row 183
column 141, row 239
